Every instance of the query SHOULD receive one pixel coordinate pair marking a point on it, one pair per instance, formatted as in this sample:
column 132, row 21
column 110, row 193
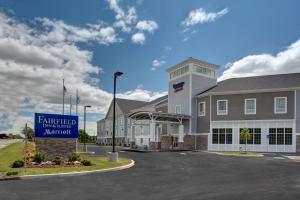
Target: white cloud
column 141, row 94
column 33, row 63
column 157, row 63
column 138, row 38
column 147, row 25
column 60, row 31
column 200, row 16
column 123, row 20
column 286, row 61
column 127, row 22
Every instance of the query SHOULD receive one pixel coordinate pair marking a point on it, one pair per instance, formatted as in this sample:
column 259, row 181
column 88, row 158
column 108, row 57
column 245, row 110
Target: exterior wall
column 203, row 122
column 264, row 106
column 180, row 97
column 298, row 143
column 264, row 125
column 200, row 83
column 297, row 112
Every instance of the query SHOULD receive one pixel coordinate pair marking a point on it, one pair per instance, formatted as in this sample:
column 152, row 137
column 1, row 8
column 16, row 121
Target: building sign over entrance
column 178, row 86
column 55, row 126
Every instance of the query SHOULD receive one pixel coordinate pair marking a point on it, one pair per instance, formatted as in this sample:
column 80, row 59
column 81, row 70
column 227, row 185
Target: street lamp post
column 114, row 155
column 84, row 133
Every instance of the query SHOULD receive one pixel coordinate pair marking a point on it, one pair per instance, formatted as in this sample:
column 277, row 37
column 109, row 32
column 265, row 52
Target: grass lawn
column 236, row 153
column 14, row 151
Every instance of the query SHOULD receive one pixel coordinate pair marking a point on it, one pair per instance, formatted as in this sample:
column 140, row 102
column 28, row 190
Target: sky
column 85, row 42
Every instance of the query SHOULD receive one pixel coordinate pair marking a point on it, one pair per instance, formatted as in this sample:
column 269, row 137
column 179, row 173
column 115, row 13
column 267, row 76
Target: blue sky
column 244, row 35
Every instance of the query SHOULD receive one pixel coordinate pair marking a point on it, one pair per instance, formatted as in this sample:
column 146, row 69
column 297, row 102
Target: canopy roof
column 158, row 116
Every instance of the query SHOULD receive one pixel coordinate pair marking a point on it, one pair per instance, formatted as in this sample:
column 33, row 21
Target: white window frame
column 218, row 111
column 285, row 105
column 178, row 106
column 245, row 105
column 204, row 108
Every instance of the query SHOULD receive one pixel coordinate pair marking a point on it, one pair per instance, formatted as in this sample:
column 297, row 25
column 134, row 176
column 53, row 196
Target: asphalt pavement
column 170, row 175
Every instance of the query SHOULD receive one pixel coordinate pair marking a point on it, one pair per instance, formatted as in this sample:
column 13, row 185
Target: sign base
column 53, row 147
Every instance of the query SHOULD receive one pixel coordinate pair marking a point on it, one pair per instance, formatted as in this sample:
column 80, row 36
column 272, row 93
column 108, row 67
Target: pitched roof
column 278, row 81
column 127, row 104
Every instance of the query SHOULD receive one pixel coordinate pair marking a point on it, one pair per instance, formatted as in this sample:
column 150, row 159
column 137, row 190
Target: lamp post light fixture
column 84, row 133
column 114, row 154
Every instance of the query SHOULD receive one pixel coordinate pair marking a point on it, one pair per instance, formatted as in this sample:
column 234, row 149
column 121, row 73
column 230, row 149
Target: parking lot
column 171, row 175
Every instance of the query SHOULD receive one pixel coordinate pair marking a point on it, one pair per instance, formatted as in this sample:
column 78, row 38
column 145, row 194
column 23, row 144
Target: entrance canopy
column 158, row 116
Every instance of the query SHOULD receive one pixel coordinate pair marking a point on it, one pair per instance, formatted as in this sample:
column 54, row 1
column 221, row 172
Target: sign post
column 25, row 148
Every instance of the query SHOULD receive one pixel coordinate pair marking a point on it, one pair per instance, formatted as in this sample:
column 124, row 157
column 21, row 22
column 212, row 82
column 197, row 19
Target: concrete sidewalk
column 6, row 142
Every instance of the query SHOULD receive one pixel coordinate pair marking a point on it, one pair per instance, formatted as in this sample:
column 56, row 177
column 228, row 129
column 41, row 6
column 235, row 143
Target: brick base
column 199, row 144
column 155, row 145
column 297, row 143
column 55, row 147
column 166, row 143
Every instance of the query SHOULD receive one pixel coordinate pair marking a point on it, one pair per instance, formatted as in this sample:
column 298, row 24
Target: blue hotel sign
column 55, row 126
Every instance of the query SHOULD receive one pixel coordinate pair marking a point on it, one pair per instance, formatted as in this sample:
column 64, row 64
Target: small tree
column 30, row 134
column 82, row 136
column 245, row 136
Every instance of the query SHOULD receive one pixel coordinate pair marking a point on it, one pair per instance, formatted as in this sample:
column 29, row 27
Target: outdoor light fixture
column 84, row 120
column 114, row 109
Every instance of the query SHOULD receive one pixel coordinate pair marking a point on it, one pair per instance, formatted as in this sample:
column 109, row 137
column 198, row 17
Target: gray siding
column 180, row 97
column 264, row 106
column 298, row 111
column 199, row 84
column 203, row 122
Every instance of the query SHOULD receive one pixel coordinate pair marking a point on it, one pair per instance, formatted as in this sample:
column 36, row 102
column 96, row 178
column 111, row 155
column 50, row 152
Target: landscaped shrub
column 11, row 173
column 74, row 157
column 57, row 160
column 86, row 163
column 18, row 163
column 39, row 157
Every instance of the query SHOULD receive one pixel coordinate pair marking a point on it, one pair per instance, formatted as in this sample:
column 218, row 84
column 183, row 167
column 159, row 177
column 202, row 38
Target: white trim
column 249, row 91
column 204, row 109
column 245, row 106
column 258, row 120
column 176, row 106
column 218, row 111
column 285, row 104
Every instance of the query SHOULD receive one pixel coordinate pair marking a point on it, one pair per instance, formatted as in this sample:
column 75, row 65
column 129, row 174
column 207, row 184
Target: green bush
column 39, row 157
column 74, row 157
column 18, row 164
column 86, row 163
column 57, row 160
column 14, row 173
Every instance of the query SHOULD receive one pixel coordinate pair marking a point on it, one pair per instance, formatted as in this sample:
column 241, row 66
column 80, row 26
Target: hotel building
column 200, row 113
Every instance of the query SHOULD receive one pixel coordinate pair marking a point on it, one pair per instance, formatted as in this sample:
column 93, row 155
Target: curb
column 237, row 155
column 131, row 164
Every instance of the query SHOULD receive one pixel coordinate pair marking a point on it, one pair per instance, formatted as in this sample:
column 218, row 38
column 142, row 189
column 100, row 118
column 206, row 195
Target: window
column 250, row 106
column 222, row 136
column 178, row 109
column 201, row 108
column 215, row 137
column 255, row 136
column 179, row 72
column 204, row 70
column 280, row 104
column 222, row 107
column 280, row 136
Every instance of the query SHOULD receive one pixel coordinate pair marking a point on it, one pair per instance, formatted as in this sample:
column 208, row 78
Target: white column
column 152, row 131
column 180, row 133
column 132, row 137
